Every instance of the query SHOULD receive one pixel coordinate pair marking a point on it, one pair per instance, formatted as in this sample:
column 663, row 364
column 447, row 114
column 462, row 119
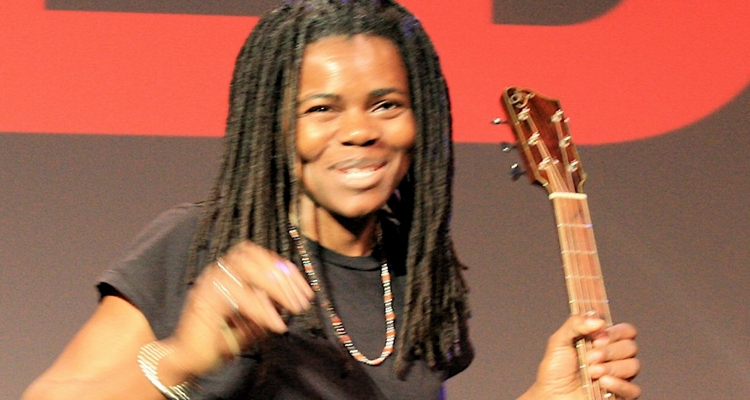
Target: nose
column 358, row 129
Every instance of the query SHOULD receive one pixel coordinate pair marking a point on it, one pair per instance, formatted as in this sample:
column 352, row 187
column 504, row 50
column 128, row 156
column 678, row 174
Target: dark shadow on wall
column 201, row 7
column 509, row 12
column 549, row 12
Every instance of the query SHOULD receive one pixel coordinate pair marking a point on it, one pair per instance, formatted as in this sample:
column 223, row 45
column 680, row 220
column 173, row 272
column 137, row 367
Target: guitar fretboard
column 583, row 276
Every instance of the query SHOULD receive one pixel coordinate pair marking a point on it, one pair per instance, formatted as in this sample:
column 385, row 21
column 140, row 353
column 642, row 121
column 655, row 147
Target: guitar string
column 578, row 280
column 576, row 227
column 572, row 218
column 589, row 276
column 586, row 258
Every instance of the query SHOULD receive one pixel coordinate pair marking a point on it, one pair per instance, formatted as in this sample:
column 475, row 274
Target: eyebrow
column 382, row 92
column 329, row 96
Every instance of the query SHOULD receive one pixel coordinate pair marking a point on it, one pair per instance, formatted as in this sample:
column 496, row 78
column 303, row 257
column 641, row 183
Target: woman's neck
column 348, row 236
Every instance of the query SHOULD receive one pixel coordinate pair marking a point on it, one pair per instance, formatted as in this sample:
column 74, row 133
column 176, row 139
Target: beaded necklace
column 338, row 325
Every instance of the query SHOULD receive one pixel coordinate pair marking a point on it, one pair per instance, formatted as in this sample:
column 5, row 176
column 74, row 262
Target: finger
column 615, row 333
column 227, row 270
column 619, row 350
column 212, row 300
column 624, row 369
column 244, row 332
column 272, row 274
column 247, row 331
column 234, row 328
column 198, row 336
column 227, row 296
column 246, row 308
column 300, row 280
column 278, row 282
column 621, row 388
column 237, row 319
column 256, row 306
column 282, row 275
column 574, row 328
column 230, row 339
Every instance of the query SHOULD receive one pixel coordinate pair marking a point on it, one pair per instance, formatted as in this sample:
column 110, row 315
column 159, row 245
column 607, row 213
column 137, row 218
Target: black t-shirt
column 297, row 365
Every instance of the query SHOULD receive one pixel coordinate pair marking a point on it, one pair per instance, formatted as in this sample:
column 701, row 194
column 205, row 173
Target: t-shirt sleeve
column 151, row 276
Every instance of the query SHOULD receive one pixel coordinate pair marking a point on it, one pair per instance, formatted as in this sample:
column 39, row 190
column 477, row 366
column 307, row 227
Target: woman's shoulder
column 181, row 215
column 178, row 223
column 151, row 275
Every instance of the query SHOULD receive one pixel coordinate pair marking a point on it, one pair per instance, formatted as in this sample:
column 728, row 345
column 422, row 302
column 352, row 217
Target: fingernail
column 590, row 314
column 280, row 325
column 283, row 266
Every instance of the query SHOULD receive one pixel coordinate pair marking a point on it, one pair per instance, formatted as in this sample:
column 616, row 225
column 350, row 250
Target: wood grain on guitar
column 541, row 130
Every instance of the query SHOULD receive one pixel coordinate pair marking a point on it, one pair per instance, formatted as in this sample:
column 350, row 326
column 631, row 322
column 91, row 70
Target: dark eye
column 317, row 109
column 387, row 105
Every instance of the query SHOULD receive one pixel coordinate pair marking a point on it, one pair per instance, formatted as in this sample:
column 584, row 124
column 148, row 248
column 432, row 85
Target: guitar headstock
column 541, row 131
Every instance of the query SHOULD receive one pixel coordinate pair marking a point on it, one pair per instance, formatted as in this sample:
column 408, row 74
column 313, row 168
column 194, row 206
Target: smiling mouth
column 359, row 172
column 358, row 166
column 355, row 173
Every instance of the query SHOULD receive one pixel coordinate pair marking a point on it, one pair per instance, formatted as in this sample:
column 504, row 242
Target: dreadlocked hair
column 255, row 187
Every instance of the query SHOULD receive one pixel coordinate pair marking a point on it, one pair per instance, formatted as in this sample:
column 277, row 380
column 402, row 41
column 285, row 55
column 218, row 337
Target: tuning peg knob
column 498, row 121
column 507, row 147
column 516, row 172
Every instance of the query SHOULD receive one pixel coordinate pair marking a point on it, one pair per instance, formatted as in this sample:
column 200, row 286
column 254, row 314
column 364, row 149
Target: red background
column 642, row 69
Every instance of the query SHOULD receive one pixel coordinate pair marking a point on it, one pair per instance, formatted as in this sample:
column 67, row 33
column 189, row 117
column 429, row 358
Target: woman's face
column 355, row 126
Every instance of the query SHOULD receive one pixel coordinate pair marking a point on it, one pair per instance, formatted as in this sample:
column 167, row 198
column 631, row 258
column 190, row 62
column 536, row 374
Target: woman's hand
column 227, row 310
column 611, row 362
column 234, row 303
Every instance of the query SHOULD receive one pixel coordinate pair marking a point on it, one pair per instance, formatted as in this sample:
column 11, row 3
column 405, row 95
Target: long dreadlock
column 254, row 190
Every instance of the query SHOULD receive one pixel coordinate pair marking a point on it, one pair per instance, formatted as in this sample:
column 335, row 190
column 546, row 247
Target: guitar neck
column 583, row 276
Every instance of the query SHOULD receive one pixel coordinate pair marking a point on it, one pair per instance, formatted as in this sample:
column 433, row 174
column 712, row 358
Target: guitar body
column 551, row 159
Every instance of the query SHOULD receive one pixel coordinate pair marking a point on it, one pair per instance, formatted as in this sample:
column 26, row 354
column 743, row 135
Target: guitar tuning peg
column 507, row 147
column 498, row 121
column 516, row 172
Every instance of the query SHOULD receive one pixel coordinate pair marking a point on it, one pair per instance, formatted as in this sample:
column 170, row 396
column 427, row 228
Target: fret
column 573, row 301
column 585, row 252
column 572, row 225
column 594, row 277
column 567, row 195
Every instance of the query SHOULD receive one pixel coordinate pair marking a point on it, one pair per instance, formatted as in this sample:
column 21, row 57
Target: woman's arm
column 228, row 308
column 101, row 360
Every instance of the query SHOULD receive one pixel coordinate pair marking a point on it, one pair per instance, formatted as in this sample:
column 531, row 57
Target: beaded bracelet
column 148, row 359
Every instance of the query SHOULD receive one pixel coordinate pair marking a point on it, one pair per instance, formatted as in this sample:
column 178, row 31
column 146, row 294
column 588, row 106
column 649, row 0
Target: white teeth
column 358, row 173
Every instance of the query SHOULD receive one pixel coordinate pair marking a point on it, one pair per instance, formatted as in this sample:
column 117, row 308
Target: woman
column 321, row 266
